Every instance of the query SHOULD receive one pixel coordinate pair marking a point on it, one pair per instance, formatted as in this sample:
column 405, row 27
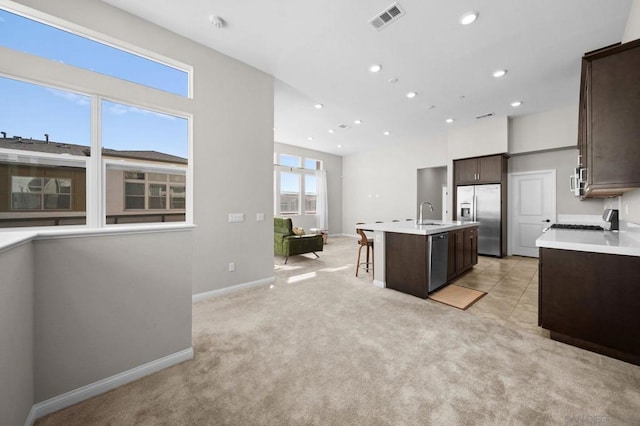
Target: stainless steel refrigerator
column 482, row 203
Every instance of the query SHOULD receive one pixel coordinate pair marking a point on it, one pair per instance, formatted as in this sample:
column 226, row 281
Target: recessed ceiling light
column 431, row 107
column 449, row 120
column 468, row 18
column 339, row 146
column 516, row 104
column 309, row 138
column 499, row 73
column 411, row 95
column 331, row 131
column 393, row 80
column 357, row 121
column 318, row 106
column 387, row 133
column 375, row 68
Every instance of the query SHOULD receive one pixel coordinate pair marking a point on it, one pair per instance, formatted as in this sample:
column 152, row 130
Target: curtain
column 322, row 208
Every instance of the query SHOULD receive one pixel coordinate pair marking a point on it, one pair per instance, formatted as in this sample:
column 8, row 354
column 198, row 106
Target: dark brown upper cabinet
column 479, row 170
column 609, row 120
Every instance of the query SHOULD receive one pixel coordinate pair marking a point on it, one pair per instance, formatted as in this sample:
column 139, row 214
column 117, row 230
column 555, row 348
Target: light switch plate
column 259, row 217
column 236, row 217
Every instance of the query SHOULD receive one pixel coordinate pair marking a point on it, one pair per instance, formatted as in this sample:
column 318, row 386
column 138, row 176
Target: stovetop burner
column 577, row 227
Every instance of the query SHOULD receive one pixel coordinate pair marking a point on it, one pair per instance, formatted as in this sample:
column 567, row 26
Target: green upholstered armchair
column 286, row 243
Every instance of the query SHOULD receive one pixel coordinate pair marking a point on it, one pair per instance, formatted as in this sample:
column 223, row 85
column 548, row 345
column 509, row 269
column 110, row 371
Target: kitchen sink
column 432, row 224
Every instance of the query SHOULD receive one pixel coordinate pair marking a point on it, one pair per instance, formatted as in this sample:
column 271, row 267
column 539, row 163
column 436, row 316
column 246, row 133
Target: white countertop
column 623, row 242
column 410, row 227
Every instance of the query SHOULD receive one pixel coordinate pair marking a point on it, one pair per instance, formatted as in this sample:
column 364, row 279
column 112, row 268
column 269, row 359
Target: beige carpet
column 456, row 296
column 324, row 347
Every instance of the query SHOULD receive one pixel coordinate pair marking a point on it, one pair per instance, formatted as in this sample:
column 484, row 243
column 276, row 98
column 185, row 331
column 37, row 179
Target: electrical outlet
column 236, row 217
column 232, row 266
column 259, row 217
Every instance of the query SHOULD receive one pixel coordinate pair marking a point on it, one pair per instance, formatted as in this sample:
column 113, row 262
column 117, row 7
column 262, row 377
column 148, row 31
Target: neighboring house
column 42, row 195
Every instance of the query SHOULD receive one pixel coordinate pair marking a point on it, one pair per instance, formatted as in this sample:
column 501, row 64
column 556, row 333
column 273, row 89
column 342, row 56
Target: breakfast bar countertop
column 410, row 227
column 626, row 241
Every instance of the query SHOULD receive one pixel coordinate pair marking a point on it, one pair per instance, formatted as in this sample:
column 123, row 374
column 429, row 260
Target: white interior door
column 532, row 205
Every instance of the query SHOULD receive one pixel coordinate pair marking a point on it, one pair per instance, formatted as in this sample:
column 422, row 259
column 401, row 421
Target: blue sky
column 30, row 111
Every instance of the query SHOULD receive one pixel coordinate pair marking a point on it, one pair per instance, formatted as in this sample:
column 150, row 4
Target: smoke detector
column 216, row 21
column 387, row 16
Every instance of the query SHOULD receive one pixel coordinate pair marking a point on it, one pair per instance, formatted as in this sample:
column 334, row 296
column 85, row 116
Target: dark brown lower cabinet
column 591, row 300
column 407, row 265
column 463, row 251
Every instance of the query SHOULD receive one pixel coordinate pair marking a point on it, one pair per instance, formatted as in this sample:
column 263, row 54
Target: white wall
column 16, row 334
column 546, row 130
column 382, row 184
column 232, row 161
column 106, row 304
column 333, row 165
column 486, row 136
column 563, row 161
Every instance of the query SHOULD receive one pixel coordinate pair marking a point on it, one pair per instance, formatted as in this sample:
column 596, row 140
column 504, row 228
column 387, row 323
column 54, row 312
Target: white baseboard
column 380, row 284
column 85, row 392
column 231, row 289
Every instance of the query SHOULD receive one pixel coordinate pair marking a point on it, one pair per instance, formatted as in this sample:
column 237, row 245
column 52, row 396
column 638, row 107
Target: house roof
column 52, row 147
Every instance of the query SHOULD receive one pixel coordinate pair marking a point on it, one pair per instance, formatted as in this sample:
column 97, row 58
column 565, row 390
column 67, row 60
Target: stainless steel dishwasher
column 438, row 251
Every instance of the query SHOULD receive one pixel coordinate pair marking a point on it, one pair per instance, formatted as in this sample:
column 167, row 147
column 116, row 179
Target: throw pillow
column 298, row 231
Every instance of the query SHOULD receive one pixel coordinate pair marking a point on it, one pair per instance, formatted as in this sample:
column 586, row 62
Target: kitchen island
column 402, row 255
column 589, row 294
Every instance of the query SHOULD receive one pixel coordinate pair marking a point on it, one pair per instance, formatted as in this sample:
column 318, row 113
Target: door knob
column 546, row 220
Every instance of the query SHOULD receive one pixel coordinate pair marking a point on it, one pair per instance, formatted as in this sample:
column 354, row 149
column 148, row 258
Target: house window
column 289, row 193
column 40, row 193
column 295, row 186
column 145, row 152
column 50, row 153
column 62, row 46
column 154, row 191
column 310, row 194
column 42, row 174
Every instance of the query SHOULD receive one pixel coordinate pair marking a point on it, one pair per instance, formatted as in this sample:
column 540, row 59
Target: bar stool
column 364, row 242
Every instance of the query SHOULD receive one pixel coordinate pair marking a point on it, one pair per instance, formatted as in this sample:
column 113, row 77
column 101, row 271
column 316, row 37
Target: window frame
column 301, row 172
column 51, row 74
column 80, row 31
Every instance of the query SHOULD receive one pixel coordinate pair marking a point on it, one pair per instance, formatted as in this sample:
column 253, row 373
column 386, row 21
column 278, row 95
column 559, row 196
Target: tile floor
column 511, row 284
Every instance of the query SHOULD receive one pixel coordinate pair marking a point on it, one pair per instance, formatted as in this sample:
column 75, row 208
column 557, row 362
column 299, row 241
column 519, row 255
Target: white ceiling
column 320, row 51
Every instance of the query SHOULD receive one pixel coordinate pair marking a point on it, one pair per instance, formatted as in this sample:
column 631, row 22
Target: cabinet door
column 490, row 169
column 591, row 297
column 459, row 252
column 474, row 246
column 466, row 171
column 451, row 256
column 614, row 151
column 467, row 259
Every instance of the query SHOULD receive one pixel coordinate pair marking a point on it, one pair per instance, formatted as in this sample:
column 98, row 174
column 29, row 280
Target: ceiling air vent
column 387, row 16
column 484, row 116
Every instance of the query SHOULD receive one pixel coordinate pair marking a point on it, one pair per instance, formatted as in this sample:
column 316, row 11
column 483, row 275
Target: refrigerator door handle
column 475, row 207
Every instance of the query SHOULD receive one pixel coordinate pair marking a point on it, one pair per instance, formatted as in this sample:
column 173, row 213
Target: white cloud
column 71, row 97
column 118, row 109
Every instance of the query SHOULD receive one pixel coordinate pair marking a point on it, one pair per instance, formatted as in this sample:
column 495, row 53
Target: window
column 289, row 160
column 295, row 185
column 48, row 152
column 310, row 194
column 62, row 46
column 148, row 191
column 289, row 193
column 42, row 180
column 145, row 153
column 39, row 193
column 310, row 163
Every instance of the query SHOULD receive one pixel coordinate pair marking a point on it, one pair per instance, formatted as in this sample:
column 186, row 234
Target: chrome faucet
column 422, row 205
